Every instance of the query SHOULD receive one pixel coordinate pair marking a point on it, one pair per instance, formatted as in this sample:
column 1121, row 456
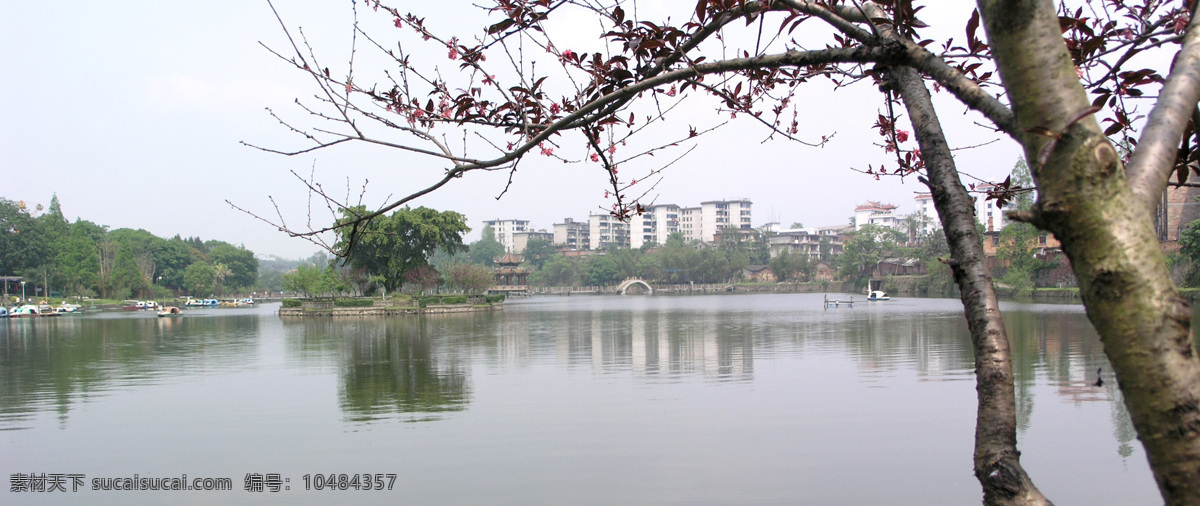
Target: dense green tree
column 309, row 280
column 127, row 280
column 198, row 279
column 865, row 249
column 791, row 267
column 600, row 270
column 487, row 249
column 390, row 246
column 171, row 258
column 78, row 262
column 558, row 271
column 537, row 252
column 243, row 267
column 23, row 245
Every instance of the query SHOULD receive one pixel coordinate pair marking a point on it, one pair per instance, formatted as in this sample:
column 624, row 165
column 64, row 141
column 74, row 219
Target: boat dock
column 838, row 303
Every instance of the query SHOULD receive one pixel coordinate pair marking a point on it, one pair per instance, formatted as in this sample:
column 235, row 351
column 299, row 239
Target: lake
column 718, row 399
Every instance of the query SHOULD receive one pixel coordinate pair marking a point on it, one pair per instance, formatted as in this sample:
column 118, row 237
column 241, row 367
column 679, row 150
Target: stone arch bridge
column 637, row 284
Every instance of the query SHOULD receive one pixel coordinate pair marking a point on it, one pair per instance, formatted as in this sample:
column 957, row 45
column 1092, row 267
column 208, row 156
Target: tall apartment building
column 605, row 229
column 716, row 215
column 506, row 230
column 572, row 235
column 926, row 209
column 654, row 225
column 874, row 213
column 689, row 223
column 988, row 212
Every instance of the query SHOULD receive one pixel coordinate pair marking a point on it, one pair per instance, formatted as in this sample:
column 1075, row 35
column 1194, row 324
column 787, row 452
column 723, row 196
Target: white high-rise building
column 926, row 210
column 988, row 212
column 572, row 235
column 689, row 223
column 717, row 215
column 606, row 229
column 874, row 213
column 506, row 230
column 654, row 225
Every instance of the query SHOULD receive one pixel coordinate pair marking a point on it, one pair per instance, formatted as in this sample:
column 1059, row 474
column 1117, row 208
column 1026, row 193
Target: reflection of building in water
column 690, row 344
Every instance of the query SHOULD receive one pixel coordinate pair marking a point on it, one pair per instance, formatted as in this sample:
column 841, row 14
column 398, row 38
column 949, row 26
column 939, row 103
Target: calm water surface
column 723, row 399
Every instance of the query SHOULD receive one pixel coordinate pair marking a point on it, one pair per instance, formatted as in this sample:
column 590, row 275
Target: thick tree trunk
column 1106, row 231
column 997, row 461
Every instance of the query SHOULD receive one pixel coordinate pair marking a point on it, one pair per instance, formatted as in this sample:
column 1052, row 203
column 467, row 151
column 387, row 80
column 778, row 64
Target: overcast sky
column 131, row 111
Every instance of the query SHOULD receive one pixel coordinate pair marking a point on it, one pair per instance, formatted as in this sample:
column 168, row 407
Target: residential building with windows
column 689, row 223
column 989, row 212
column 571, row 235
column 605, row 229
column 874, row 213
column 506, row 230
column 520, row 239
column 716, row 215
column 654, row 225
column 927, row 213
column 797, row 242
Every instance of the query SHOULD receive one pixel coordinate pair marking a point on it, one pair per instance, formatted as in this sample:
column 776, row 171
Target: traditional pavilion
column 510, row 277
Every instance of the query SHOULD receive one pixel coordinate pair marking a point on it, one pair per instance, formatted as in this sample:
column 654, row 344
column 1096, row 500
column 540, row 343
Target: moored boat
column 170, row 311
column 26, row 311
column 877, row 295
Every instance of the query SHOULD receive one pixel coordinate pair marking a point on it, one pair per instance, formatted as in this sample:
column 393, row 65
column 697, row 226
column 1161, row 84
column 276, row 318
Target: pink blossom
column 671, row 92
column 902, row 135
column 1079, row 72
column 605, row 193
column 614, row 169
column 568, row 54
column 595, row 157
column 489, row 79
column 510, row 146
column 554, row 108
column 398, row 23
column 633, row 182
column 546, row 151
column 612, row 149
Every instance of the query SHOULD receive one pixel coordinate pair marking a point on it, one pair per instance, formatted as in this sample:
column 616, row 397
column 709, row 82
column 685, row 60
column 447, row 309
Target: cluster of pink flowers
column 901, row 135
column 453, row 45
column 545, row 150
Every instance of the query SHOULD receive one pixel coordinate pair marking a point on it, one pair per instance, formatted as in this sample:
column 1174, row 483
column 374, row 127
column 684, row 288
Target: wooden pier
column 838, row 303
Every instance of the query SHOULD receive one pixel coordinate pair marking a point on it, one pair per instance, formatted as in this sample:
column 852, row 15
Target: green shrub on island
column 353, row 302
column 291, row 303
column 442, row 300
column 494, row 299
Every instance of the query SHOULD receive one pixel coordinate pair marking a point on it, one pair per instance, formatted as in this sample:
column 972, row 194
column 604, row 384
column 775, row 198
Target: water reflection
column 725, row 399
column 53, row 363
column 391, row 366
